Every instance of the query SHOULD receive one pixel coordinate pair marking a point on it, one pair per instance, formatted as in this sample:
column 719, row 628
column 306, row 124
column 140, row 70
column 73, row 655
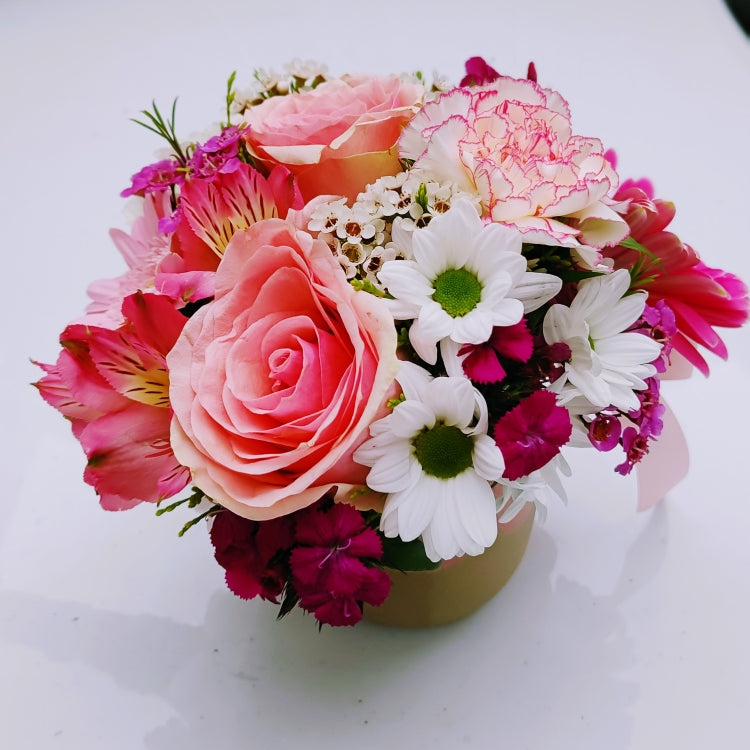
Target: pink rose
column 338, row 137
column 275, row 382
column 511, row 143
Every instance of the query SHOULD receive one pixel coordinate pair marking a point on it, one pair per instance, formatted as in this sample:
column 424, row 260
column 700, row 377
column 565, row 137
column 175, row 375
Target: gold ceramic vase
column 459, row 586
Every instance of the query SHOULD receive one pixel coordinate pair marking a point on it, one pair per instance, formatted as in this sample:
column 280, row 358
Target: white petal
column 393, row 472
column 451, row 361
column 432, row 325
column 476, row 511
column 413, row 380
column 474, row 328
column 594, row 388
column 410, row 417
column 452, row 400
column 556, row 326
column 405, row 280
column 488, row 458
column 535, row 289
column 619, row 316
column 627, row 349
column 417, row 508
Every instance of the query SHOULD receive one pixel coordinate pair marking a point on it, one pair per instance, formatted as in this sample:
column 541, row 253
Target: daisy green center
column 457, row 291
column 443, row 451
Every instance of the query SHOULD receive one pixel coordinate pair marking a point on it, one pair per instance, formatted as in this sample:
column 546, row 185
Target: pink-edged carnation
column 531, row 434
column 482, row 362
column 511, row 143
column 112, row 384
column 332, row 564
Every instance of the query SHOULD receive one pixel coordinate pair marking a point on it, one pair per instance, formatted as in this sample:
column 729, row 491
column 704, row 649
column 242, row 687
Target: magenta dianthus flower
column 331, row 564
column 531, row 434
column 482, row 363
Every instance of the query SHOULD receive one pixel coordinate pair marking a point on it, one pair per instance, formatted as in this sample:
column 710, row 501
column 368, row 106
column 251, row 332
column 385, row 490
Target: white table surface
column 619, row 630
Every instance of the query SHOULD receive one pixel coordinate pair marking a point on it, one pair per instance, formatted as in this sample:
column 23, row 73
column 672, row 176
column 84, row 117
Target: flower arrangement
column 363, row 317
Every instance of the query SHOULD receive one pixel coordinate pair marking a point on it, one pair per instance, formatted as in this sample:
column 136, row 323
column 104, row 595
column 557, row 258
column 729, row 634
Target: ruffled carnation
column 511, row 143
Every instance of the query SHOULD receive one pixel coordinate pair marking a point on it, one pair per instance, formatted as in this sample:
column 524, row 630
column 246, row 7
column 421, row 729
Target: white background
column 619, row 630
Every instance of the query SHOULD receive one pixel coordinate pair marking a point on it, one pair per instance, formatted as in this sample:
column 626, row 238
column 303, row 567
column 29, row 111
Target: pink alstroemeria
column 482, row 362
column 700, row 297
column 214, row 209
column 531, row 434
column 112, row 384
column 332, row 564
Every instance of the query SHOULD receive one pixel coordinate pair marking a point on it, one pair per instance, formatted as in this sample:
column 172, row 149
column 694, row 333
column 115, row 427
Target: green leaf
column 164, row 128
column 230, row 95
column 420, row 197
column 289, row 601
column 365, row 285
column 405, row 556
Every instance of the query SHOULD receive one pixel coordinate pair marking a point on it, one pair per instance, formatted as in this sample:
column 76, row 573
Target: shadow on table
column 546, row 660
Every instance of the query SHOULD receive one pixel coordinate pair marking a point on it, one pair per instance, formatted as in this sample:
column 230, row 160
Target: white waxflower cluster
column 378, row 227
column 298, row 75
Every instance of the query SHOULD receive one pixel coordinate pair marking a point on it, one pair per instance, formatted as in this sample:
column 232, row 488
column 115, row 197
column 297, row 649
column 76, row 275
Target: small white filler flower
column 433, row 458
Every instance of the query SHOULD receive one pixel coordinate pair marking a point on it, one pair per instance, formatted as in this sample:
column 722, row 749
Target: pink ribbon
column 666, row 464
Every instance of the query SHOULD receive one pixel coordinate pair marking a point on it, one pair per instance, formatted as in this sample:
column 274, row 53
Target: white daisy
column 607, row 363
column 466, row 278
column 434, row 460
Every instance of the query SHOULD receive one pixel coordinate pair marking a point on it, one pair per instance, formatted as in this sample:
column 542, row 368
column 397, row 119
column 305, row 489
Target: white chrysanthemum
column 607, row 363
column 434, row 460
column 466, row 278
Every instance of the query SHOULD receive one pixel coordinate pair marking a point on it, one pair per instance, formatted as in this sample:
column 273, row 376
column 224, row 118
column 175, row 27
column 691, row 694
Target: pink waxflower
column 531, row 434
column 700, row 297
column 217, row 154
column 635, row 446
column 510, row 142
column 482, row 363
column 332, row 564
column 112, row 384
column 156, row 178
column 605, row 430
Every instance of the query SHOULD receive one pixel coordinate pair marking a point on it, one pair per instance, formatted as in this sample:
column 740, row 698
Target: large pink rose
column 511, row 143
column 275, row 382
column 338, row 137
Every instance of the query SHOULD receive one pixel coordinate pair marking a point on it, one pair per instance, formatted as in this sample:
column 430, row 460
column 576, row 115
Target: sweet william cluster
column 366, row 316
